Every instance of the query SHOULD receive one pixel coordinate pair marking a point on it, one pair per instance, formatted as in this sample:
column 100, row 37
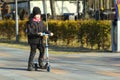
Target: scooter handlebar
column 44, row 34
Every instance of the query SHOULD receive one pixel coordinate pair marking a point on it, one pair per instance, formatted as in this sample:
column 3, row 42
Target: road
column 83, row 66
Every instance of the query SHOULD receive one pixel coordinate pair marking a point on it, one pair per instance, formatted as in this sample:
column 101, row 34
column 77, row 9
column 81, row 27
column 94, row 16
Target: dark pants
column 33, row 49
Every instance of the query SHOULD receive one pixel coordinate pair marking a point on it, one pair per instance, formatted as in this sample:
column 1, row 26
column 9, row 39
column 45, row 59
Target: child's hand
column 51, row 34
column 40, row 33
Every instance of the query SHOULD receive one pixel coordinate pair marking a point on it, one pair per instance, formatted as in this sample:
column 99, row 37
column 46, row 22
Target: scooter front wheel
column 48, row 68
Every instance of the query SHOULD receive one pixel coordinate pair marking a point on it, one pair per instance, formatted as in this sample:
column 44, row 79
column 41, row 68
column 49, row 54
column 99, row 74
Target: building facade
column 61, row 6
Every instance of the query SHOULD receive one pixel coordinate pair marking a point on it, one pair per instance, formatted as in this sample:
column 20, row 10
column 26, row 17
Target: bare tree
column 107, row 4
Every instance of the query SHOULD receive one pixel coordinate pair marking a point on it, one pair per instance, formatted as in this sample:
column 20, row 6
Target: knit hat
column 36, row 10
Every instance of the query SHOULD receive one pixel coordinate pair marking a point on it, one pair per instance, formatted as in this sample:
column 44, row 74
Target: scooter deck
column 47, row 67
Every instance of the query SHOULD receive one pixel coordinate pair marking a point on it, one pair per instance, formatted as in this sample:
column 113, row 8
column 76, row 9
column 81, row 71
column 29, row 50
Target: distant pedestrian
column 97, row 15
column 101, row 14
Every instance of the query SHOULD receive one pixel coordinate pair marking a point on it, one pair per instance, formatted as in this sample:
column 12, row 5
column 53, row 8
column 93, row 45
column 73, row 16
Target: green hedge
column 65, row 31
column 93, row 33
column 86, row 33
column 7, row 29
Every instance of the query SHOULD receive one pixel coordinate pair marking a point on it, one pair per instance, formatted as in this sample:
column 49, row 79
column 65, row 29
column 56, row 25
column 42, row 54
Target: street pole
column 46, row 13
column 84, row 9
column 28, row 1
column 78, row 9
column 99, row 10
column 16, row 20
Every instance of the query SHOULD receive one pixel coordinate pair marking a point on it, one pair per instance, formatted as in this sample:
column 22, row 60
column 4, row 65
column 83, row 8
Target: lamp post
column 16, row 20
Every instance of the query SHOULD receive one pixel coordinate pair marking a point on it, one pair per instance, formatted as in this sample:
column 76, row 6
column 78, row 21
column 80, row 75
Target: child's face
column 37, row 16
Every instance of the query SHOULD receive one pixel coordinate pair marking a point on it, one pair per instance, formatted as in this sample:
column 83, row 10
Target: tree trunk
column 108, row 4
column 101, row 3
column 53, row 12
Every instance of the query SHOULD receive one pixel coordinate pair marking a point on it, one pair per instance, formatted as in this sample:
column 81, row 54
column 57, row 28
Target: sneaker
column 41, row 64
column 30, row 69
column 46, row 65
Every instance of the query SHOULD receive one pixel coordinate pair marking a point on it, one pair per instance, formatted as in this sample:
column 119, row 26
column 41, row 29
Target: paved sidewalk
column 83, row 66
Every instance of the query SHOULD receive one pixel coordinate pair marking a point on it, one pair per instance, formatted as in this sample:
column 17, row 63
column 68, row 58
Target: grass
column 52, row 48
column 25, row 46
column 14, row 44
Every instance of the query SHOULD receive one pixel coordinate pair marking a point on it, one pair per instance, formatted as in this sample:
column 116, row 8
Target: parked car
column 108, row 14
column 66, row 15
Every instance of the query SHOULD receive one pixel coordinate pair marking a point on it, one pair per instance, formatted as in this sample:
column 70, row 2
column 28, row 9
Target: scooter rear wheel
column 36, row 66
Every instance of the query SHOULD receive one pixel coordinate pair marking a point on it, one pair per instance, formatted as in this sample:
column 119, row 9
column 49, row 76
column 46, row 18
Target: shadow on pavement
column 22, row 69
column 7, row 68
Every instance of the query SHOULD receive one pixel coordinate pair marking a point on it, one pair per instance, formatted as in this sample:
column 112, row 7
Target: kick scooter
column 47, row 65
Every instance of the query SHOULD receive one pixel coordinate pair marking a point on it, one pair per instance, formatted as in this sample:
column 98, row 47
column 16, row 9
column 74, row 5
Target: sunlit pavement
column 83, row 66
